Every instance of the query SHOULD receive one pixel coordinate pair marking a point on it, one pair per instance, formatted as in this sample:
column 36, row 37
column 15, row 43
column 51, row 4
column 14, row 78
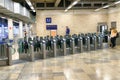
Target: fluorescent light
column 33, row 10
column 97, row 9
column 117, row 2
column 30, row 4
column 69, row 7
column 106, row 6
column 31, row 7
column 74, row 3
column 66, row 10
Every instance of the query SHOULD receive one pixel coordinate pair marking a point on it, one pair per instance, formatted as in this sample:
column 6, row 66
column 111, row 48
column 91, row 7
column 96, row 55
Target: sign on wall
column 53, row 33
column 48, row 20
column 51, row 27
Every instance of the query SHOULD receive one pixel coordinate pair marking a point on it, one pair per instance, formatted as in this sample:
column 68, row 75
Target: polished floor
column 95, row 65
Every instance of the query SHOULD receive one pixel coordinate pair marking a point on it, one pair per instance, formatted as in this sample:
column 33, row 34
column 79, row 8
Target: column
column 10, row 29
column 21, row 29
column 30, row 33
column 26, row 28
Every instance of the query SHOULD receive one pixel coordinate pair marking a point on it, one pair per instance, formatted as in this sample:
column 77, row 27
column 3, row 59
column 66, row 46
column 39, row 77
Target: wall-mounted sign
column 51, row 27
column 48, row 20
column 53, row 33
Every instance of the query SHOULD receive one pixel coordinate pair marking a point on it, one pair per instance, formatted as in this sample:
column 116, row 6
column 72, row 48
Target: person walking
column 67, row 30
column 113, row 37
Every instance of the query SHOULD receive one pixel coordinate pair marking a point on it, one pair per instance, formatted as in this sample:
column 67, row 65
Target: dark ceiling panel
column 50, row 4
column 18, row 0
column 40, row 4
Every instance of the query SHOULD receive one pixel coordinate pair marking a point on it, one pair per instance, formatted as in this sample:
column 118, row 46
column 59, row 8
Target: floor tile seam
column 21, row 72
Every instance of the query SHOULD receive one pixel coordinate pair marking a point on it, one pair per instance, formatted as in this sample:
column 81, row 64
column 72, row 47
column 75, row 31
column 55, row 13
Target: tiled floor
column 95, row 65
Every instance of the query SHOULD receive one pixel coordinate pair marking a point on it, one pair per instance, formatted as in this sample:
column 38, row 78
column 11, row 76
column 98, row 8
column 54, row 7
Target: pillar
column 21, row 29
column 26, row 28
column 10, row 29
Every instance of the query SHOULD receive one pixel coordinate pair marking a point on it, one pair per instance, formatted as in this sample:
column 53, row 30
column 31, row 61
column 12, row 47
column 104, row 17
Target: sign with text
column 51, row 27
column 48, row 20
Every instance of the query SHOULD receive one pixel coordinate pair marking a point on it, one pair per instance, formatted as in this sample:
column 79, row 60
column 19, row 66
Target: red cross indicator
column 10, row 27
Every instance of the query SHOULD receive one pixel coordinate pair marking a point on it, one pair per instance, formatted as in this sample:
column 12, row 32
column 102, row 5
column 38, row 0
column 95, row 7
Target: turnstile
column 27, row 52
column 59, row 46
column 5, row 54
column 99, row 41
column 93, row 42
column 86, row 43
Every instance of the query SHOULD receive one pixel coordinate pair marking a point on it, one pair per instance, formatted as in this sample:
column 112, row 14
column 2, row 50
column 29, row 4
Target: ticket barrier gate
column 5, row 54
column 27, row 52
column 86, row 43
column 80, row 44
column 59, row 46
column 64, row 46
column 48, row 48
column 72, row 44
column 76, row 43
column 37, row 48
column 99, row 42
column 93, row 42
column 68, row 45
column 54, row 49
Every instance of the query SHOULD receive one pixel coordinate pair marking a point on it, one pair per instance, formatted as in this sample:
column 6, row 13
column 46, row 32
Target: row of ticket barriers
column 47, row 47
column 6, row 51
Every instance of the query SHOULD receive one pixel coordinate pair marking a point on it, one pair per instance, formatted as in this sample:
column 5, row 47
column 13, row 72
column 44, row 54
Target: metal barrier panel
column 44, row 49
column 9, row 55
column 100, row 41
column 54, row 48
column 64, row 46
column 88, row 43
column 2, row 50
column 73, row 45
column 80, row 43
column 5, row 53
column 95, row 42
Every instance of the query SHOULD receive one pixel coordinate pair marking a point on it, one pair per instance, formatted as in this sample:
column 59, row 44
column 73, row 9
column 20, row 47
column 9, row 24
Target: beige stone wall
column 114, row 15
column 81, row 21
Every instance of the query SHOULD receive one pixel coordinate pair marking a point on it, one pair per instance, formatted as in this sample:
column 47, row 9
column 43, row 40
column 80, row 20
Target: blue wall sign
column 48, row 20
column 51, row 27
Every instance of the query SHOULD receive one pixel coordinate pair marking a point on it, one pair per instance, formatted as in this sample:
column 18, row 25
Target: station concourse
column 59, row 40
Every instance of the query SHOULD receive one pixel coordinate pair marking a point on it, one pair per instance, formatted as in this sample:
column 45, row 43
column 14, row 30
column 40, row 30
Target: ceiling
column 63, row 4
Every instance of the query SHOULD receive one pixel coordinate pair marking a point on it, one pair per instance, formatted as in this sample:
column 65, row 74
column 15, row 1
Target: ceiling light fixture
column 71, row 5
column 30, row 4
column 106, row 6
column 66, row 10
column 31, row 7
column 33, row 10
column 75, row 2
column 117, row 2
column 97, row 9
